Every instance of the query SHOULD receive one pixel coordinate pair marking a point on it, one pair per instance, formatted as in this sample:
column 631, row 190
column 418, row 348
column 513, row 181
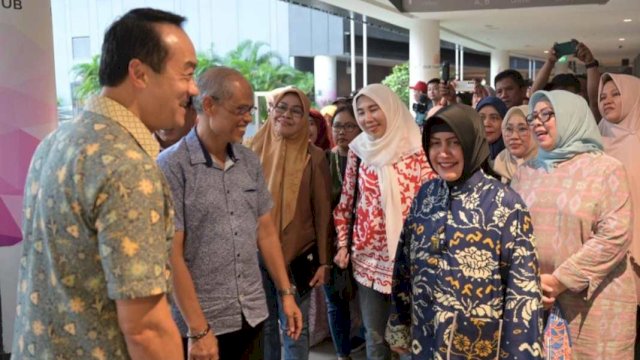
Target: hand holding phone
column 565, row 48
column 445, row 72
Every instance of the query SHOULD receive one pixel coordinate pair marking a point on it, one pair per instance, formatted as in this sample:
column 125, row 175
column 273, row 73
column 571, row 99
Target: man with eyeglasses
column 222, row 207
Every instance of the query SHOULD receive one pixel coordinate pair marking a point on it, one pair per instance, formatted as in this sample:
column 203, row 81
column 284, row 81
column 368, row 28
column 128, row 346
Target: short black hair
column 343, row 108
column 433, row 81
column 133, row 36
column 510, row 74
column 566, row 81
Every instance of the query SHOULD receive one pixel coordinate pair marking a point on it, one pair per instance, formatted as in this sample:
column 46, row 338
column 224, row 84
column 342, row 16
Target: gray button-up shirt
column 218, row 210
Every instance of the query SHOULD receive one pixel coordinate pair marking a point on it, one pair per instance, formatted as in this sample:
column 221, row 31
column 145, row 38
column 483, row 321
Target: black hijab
column 465, row 122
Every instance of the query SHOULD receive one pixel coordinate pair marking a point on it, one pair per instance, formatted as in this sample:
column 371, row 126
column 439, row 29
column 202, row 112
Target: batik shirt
column 466, row 275
column 98, row 225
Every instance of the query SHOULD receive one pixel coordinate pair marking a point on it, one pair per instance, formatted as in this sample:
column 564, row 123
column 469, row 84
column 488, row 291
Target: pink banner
column 27, row 101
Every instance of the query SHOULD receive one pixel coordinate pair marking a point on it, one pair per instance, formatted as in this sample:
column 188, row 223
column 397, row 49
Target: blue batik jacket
column 465, row 283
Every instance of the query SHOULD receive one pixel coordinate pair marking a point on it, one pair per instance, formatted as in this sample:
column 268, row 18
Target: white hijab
column 401, row 138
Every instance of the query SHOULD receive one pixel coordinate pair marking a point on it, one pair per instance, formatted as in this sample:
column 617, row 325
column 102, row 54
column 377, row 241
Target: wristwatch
column 592, row 64
column 290, row 291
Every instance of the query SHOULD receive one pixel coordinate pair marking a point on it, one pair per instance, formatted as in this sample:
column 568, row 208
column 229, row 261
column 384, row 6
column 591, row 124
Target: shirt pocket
column 470, row 338
column 250, row 196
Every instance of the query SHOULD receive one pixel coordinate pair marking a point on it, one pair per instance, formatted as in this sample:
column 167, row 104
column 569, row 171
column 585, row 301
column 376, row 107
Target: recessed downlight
column 627, row 20
column 621, row 39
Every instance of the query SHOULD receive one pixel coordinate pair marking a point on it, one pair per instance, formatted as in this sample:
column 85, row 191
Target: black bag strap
column 354, row 208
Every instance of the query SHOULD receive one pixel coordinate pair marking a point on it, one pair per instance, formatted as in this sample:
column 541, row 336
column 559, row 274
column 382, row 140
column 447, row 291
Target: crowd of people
column 502, row 228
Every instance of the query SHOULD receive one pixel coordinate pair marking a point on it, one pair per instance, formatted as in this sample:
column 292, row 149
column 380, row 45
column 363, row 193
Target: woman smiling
column 520, row 145
column 392, row 170
column 580, row 207
column 466, row 273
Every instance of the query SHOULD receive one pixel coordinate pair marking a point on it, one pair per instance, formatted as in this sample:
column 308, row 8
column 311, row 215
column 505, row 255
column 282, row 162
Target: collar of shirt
column 110, row 108
column 199, row 154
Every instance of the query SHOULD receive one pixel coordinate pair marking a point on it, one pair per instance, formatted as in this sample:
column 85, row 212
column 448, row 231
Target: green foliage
column 87, row 74
column 398, row 81
column 264, row 69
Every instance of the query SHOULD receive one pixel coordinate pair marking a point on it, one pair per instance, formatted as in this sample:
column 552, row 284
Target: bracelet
column 592, row 64
column 290, row 291
column 200, row 335
column 327, row 265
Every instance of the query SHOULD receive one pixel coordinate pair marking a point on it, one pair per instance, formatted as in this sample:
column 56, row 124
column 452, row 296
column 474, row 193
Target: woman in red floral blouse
column 391, row 170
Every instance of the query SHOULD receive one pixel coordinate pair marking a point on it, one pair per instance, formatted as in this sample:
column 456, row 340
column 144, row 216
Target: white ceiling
column 527, row 31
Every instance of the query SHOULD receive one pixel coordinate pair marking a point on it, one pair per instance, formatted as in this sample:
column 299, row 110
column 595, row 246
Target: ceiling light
column 621, row 39
column 627, row 20
column 546, row 51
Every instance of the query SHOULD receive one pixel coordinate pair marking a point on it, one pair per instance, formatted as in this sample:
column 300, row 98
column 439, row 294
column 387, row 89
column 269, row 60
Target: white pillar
column 424, row 51
column 352, row 46
column 457, row 61
column 365, row 53
column 324, row 68
column 499, row 63
column 461, row 76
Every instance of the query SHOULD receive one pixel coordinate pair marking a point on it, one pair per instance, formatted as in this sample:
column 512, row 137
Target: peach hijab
column 283, row 160
column 506, row 163
column 622, row 141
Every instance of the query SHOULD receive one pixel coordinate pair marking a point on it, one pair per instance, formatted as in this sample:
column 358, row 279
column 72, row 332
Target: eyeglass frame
column 548, row 113
column 521, row 131
column 281, row 110
column 242, row 110
column 352, row 128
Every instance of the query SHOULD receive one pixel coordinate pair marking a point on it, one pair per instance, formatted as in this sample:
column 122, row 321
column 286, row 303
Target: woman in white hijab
column 385, row 168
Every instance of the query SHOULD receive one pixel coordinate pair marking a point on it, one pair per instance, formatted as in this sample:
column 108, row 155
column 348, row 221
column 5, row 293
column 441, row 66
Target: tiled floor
column 325, row 351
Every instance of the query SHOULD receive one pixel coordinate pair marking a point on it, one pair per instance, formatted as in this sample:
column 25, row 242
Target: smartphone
column 565, row 48
column 465, row 86
column 445, row 72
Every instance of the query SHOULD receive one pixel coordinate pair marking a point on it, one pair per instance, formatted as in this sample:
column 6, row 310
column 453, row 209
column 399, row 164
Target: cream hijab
column 622, row 141
column 283, row 160
column 402, row 137
column 506, row 163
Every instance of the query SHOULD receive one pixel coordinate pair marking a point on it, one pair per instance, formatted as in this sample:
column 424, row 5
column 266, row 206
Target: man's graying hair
column 214, row 83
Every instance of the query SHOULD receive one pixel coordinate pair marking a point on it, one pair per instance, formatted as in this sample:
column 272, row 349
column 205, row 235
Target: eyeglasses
column 238, row 111
column 346, row 127
column 520, row 130
column 544, row 116
column 282, row 108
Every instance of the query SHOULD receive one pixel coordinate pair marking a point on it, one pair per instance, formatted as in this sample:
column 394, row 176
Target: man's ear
column 137, row 73
column 208, row 105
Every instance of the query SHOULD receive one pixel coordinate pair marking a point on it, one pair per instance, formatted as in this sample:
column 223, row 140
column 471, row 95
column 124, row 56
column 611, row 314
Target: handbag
column 344, row 284
column 303, row 268
column 557, row 340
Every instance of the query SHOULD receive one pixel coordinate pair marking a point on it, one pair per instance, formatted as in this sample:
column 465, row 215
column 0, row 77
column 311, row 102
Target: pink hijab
column 622, row 141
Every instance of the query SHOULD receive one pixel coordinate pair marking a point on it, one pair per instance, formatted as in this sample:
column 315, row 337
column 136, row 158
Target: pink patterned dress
column 581, row 214
column 372, row 265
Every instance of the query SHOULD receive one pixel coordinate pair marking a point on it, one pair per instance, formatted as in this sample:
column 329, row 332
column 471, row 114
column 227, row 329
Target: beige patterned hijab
column 505, row 163
column 283, row 160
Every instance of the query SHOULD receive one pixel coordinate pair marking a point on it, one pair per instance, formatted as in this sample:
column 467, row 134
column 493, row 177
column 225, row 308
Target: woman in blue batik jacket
column 465, row 283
